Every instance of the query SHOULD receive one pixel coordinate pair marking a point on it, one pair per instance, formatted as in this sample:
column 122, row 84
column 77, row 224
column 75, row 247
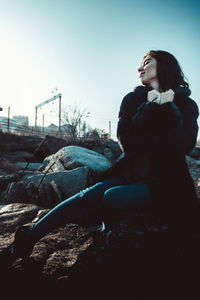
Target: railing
column 14, row 127
column 11, row 126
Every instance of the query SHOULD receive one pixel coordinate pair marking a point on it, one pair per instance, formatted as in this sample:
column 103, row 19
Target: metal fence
column 11, row 126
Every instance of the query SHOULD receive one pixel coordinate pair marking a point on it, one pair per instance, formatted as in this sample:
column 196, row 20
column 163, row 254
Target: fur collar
column 142, row 90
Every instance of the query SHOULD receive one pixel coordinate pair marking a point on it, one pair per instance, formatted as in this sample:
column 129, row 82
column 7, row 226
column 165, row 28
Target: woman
column 157, row 127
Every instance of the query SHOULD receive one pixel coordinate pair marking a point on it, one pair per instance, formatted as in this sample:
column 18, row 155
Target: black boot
column 23, row 243
column 21, row 247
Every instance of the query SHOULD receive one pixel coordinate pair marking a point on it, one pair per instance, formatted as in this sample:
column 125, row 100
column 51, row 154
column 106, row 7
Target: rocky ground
column 194, row 167
column 73, row 263
column 136, row 259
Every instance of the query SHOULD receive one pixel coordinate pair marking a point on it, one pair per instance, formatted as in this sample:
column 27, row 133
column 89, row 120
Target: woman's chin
column 143, row 82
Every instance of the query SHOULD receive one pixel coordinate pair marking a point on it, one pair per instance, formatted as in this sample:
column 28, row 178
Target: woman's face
column 148, row 71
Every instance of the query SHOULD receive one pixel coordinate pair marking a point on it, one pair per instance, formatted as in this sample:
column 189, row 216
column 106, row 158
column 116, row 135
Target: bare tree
column 73, row 118
column 98, row 133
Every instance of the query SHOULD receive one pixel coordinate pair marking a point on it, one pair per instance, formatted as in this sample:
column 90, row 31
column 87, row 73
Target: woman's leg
column 121, row 199
column 87, row 204
column 110, row 195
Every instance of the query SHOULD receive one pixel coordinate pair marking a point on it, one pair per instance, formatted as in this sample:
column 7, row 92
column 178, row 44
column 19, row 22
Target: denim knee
column 109, row 199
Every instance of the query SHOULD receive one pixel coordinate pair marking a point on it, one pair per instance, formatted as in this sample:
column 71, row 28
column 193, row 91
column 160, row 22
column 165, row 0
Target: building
column 21, row 120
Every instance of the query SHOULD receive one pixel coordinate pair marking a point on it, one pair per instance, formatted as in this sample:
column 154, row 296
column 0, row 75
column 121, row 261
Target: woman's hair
column 169, row 72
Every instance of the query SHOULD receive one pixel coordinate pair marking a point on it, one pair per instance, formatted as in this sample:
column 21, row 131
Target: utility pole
column 110, row 128
column 35, row 117
column 79, row 127
column 59, row 113
column 43, row 124
column 8, row 118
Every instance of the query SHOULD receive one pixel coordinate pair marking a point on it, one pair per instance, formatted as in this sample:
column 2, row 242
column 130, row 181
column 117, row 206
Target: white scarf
column 160, row 98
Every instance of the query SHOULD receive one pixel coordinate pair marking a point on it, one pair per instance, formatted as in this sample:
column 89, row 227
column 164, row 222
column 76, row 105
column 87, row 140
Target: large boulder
column 72, row 157
column 47, row 195
column 45, row 190
column 67, row 182
column 110, row 149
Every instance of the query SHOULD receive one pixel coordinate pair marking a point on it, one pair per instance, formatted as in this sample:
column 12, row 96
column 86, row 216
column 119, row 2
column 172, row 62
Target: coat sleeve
column 173, row 137
column 133, row 125
column 170, row 127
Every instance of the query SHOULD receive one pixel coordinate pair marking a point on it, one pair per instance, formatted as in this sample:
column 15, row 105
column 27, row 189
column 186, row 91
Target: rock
column 71, row 157
column 47, row 195
column 15, row 156
column 68, row 257
column 72, row 261
column 41, row 213
column 114, row 148
column 3, row 172
column 18, row 192
column 29, row 166
column 194, row 169
column 112, row 151
column 108, row 153
column 53, row 256
column 14, row 143
column 14, row 215
column 195, row 153
column 5, row 180
column 67, row 182
column 54, row 144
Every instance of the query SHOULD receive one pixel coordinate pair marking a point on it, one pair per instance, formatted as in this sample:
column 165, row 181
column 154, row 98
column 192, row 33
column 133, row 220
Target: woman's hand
column 160, row 98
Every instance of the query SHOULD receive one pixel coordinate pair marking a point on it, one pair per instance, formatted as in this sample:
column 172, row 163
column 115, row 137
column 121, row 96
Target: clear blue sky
column 89, row 50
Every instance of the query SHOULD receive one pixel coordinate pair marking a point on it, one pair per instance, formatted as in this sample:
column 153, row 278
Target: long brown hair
column 169, row 72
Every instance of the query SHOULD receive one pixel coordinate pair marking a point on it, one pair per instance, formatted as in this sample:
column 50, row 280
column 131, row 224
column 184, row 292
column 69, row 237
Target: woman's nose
column 140, row 69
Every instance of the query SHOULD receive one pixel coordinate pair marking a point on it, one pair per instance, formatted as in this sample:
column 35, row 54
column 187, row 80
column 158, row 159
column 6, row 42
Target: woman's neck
column 155, row 85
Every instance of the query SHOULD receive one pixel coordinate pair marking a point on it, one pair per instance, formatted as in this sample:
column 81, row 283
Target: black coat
column 155, row 139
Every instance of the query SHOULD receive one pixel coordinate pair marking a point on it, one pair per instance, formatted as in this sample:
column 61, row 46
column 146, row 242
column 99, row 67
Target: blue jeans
column 106, row 198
